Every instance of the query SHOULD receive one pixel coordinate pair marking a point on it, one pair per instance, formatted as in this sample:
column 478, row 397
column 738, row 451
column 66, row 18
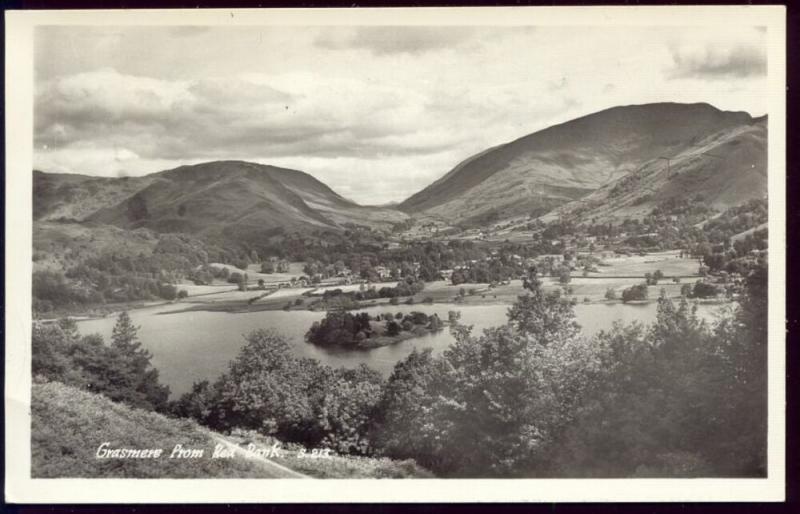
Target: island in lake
column 343, row 329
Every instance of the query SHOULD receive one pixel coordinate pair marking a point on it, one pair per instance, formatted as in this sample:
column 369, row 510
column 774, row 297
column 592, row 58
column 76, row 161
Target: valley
column 255, row 300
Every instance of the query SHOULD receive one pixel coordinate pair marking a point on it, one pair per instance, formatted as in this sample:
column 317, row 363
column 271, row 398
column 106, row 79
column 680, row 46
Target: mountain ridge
column 553, row 170
column 584, row 153
column 208, row 198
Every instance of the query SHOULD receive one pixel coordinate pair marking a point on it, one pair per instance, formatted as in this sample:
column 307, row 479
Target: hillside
column 68, row 426
column 229, row 199
column 60, row 196
column 566, row 162
column 725, row 169
column 61, row 245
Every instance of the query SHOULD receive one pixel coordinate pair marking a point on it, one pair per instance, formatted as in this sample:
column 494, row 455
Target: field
column 615, row 272
column 254, row 272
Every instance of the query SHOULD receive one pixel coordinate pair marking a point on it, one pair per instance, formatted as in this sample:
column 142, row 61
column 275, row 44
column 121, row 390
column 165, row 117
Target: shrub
column 704, row 290
column 635, row 293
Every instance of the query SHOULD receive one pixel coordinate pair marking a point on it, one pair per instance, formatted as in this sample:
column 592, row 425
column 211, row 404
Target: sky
column 377, row 113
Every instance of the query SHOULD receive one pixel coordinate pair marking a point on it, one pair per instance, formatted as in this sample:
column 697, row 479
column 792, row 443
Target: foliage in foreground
column 269, row 390
column 490, row 405
column 533, row 397
column 679, row 398
column 121, row 370
column 68, row 426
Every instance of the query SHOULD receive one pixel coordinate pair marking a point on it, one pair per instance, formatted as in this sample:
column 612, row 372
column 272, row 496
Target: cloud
column 399, row 106
column 394, row 40
column 279, row 116
column 718, row 62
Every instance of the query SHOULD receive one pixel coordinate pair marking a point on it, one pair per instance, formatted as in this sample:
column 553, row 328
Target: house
column 383, row 272
column 446, row 274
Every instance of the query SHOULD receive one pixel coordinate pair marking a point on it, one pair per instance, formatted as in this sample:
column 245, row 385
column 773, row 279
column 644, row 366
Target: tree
column 121, row 371
column 269, row 390
column 662, row 390
column 435, row 324
column 392, row 328
column 504, row 394
column 134, row 380
column 242, row 282
column 611, row 294
column 541, row 315
column 635, row 293
column 704, row 290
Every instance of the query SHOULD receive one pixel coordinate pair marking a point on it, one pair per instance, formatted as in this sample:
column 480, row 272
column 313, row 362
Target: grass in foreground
column 69, row 425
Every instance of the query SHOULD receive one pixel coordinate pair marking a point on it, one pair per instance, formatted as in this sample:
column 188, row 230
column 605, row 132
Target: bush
column 635, row 293
column 392, row 328
column 704, row 290
column 269, row 390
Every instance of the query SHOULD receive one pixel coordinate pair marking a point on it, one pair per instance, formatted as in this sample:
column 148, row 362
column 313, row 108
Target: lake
column 192, row 346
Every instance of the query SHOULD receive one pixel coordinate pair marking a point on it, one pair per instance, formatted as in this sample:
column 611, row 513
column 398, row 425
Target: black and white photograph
column 461, row 244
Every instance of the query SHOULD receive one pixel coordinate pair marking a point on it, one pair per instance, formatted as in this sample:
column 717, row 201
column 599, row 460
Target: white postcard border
column 19, row 131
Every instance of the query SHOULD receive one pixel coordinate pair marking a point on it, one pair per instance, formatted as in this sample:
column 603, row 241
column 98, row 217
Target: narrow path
column 276, row 470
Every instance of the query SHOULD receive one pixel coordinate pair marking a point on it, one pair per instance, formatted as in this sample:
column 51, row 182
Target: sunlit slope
column 566, row 162
column 723, row 169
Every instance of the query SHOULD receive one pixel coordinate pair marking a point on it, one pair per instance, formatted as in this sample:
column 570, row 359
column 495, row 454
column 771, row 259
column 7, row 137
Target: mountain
column 76, row 197
column 724, row 169
column 223, row 198
column 565, row 162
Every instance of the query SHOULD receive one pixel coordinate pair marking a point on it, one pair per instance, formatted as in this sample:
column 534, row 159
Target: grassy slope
column 728, row 168
column 75, row 197
column 68, row 425
column 232, row 198
column 566, row 161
